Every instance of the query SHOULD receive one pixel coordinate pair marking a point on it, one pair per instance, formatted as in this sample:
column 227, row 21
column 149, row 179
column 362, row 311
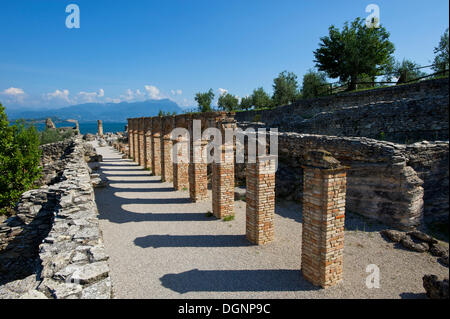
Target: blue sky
column 136, row 50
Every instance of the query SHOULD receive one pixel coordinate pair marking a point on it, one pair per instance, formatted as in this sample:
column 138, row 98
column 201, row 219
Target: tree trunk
column 353, row 82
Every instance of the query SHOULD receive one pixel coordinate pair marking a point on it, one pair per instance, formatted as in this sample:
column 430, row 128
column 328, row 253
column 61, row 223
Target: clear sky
column 135, row 50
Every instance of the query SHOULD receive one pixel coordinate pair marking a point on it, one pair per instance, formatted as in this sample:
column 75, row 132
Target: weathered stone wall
column 403, row 114
column 70, row 261
column 399, row 121
column 431, row 163
column 382, row 181
column 53, row 160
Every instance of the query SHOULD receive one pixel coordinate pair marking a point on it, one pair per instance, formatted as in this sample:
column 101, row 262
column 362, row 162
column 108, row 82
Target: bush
column 53, row 135
column 19, row 160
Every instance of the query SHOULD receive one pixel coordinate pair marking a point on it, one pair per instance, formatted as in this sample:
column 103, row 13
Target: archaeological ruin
column 370, row 158
column 381, row 154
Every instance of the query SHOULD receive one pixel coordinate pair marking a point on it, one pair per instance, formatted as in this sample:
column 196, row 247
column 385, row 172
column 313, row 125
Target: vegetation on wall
column 54, row 135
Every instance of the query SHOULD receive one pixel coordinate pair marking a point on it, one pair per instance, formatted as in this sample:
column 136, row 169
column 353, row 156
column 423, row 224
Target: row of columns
column 150, row 145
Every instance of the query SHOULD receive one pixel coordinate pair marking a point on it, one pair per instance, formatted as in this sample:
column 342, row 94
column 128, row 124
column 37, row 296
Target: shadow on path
column 237, row 280
column 157, row 241
column 141, row 190
column 123, row 216
column 114, row 199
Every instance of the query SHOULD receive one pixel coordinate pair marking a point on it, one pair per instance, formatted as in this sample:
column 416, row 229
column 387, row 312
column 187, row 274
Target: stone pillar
column 167, row 125
column 148, row 143
column 181, row 144
column 223, row 174
column 136, row 141
column 77, row 128
column 198, row 168
column 156, row 145
column 49, row 124
column 130, row 139
column 141, row 141
column 260, row 199
column 323, row 219
column 100, row 128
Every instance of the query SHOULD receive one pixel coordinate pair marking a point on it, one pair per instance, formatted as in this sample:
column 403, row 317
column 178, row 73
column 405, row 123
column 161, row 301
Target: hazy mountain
column 108, row 112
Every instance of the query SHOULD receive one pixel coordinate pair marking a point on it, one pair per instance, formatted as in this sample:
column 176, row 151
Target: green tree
column 353, row 51
column 285, row 88
column 228, row 102
column 204, row 100
column 406, row 71
column 366, row 81
column 441, row 59
column 246, row 103
column 260, row 99
column 19, row 160
column 314, row 84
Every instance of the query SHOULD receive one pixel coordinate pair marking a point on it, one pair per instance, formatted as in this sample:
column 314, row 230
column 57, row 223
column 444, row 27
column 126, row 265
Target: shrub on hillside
column 53, row 135
column 19, row 160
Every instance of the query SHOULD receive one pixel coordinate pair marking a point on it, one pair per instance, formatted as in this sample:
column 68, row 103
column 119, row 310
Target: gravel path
column 163, row 246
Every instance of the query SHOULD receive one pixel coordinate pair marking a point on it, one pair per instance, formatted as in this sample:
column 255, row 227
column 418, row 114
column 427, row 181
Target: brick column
column 260, row 199
column 130, row 139
column 181, row 169
column 323, row 219
column 223, row 175
column 198, row 168
column 167, row 125
column 141, row 142
column 156, row 146
column 148, row 143
column 136, row 141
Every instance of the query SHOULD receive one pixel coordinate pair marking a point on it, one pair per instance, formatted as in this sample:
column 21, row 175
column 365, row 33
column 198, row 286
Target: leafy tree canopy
column 260, row 99
column 354, row 50
column 441, row 59
column 285, row 88
column 228, row 102
column 246, row 103
column 204, row 100
column 314, row 84
column 405, row 71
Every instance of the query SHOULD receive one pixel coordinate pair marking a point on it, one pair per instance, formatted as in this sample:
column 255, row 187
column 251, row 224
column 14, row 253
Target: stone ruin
column 400, row 185
column 49, row 124
column 150, row 145
column 53, row 247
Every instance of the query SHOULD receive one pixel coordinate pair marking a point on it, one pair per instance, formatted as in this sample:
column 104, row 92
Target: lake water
column 90, row 127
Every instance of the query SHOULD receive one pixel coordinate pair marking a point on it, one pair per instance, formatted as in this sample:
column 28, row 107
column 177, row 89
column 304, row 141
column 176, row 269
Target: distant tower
column 99, row 128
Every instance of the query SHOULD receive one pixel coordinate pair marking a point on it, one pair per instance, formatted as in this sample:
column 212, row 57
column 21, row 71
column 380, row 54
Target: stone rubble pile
column 435, row 288
column 419, row 242
column 72, row 258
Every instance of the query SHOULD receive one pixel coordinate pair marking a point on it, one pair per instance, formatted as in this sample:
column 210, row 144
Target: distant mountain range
column 107, row 112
